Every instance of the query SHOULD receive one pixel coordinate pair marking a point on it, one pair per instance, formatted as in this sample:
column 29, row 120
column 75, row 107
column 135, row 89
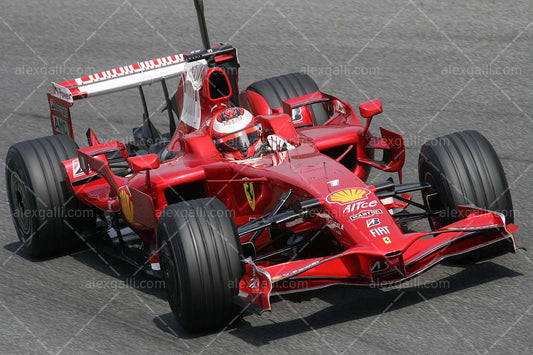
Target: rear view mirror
column 370, row 108
column 143, row 162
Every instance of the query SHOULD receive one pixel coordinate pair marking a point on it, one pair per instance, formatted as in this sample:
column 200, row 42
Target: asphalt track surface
column 426, row 60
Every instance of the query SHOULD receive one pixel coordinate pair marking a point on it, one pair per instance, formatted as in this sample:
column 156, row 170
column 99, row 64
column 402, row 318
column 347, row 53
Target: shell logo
column 345, row 196
column 126, row 204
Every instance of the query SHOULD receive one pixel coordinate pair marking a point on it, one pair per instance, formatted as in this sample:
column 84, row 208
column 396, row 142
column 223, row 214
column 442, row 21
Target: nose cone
column 364, row 219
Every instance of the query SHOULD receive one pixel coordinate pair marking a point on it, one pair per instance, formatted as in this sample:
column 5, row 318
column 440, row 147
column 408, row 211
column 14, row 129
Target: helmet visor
column 239, row 141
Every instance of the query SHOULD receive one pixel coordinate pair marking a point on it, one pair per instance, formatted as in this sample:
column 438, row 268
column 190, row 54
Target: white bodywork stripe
column 129, row 80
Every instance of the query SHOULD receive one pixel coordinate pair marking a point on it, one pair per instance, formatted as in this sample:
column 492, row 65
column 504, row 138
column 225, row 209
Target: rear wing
column 63, row 94
column 119, row 79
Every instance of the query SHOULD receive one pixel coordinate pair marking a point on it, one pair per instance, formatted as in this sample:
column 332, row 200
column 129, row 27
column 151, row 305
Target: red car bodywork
column 373, row 253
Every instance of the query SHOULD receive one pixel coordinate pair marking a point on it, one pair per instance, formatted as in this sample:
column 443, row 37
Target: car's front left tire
column 464, row 169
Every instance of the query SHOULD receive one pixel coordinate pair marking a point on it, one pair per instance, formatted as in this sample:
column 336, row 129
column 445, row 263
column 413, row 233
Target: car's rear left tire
column 47, row 218
column 464, row 169
column 280, row 88
column 200, row 255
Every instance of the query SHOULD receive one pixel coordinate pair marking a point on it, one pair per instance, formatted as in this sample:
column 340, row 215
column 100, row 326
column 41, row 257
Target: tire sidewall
column 195, row 262
column 13, row 167
column 58, row 218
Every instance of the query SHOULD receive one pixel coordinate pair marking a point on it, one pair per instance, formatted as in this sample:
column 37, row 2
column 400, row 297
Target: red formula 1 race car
column 254, row 193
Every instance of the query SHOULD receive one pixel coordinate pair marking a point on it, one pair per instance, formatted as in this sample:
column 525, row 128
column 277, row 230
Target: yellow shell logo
column 347, row 195
column 126, row 204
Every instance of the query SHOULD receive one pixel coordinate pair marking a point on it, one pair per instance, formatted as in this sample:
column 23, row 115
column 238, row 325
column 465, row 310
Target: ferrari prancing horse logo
column 250, row 194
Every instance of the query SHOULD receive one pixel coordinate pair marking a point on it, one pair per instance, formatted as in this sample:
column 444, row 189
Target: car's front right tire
column 200, row 255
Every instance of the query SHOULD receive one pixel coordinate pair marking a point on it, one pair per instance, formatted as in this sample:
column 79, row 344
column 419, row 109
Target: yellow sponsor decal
column 387, row 240
column 126, row 204
column 347, row 195
column 250, row 194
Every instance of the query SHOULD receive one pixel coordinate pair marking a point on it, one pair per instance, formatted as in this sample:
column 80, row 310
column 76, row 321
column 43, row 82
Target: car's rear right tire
column 200, row 255
column 47, row 218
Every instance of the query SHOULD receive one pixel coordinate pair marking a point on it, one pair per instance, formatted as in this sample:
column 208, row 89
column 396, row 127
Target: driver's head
column 236, row 133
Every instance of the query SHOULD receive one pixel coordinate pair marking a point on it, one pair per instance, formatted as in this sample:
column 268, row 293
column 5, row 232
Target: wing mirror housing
column 143, row 162
column 368, row 110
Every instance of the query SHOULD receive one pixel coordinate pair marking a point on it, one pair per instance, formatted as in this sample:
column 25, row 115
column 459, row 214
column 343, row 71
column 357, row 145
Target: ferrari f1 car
column 226, row 233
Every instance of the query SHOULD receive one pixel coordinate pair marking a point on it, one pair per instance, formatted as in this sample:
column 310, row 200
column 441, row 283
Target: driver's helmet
column 236, row 133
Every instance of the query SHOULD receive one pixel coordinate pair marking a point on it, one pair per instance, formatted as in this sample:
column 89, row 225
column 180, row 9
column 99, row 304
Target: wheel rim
column 20, row 200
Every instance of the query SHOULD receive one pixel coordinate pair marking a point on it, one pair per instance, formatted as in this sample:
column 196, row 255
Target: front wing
column 364, row 266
